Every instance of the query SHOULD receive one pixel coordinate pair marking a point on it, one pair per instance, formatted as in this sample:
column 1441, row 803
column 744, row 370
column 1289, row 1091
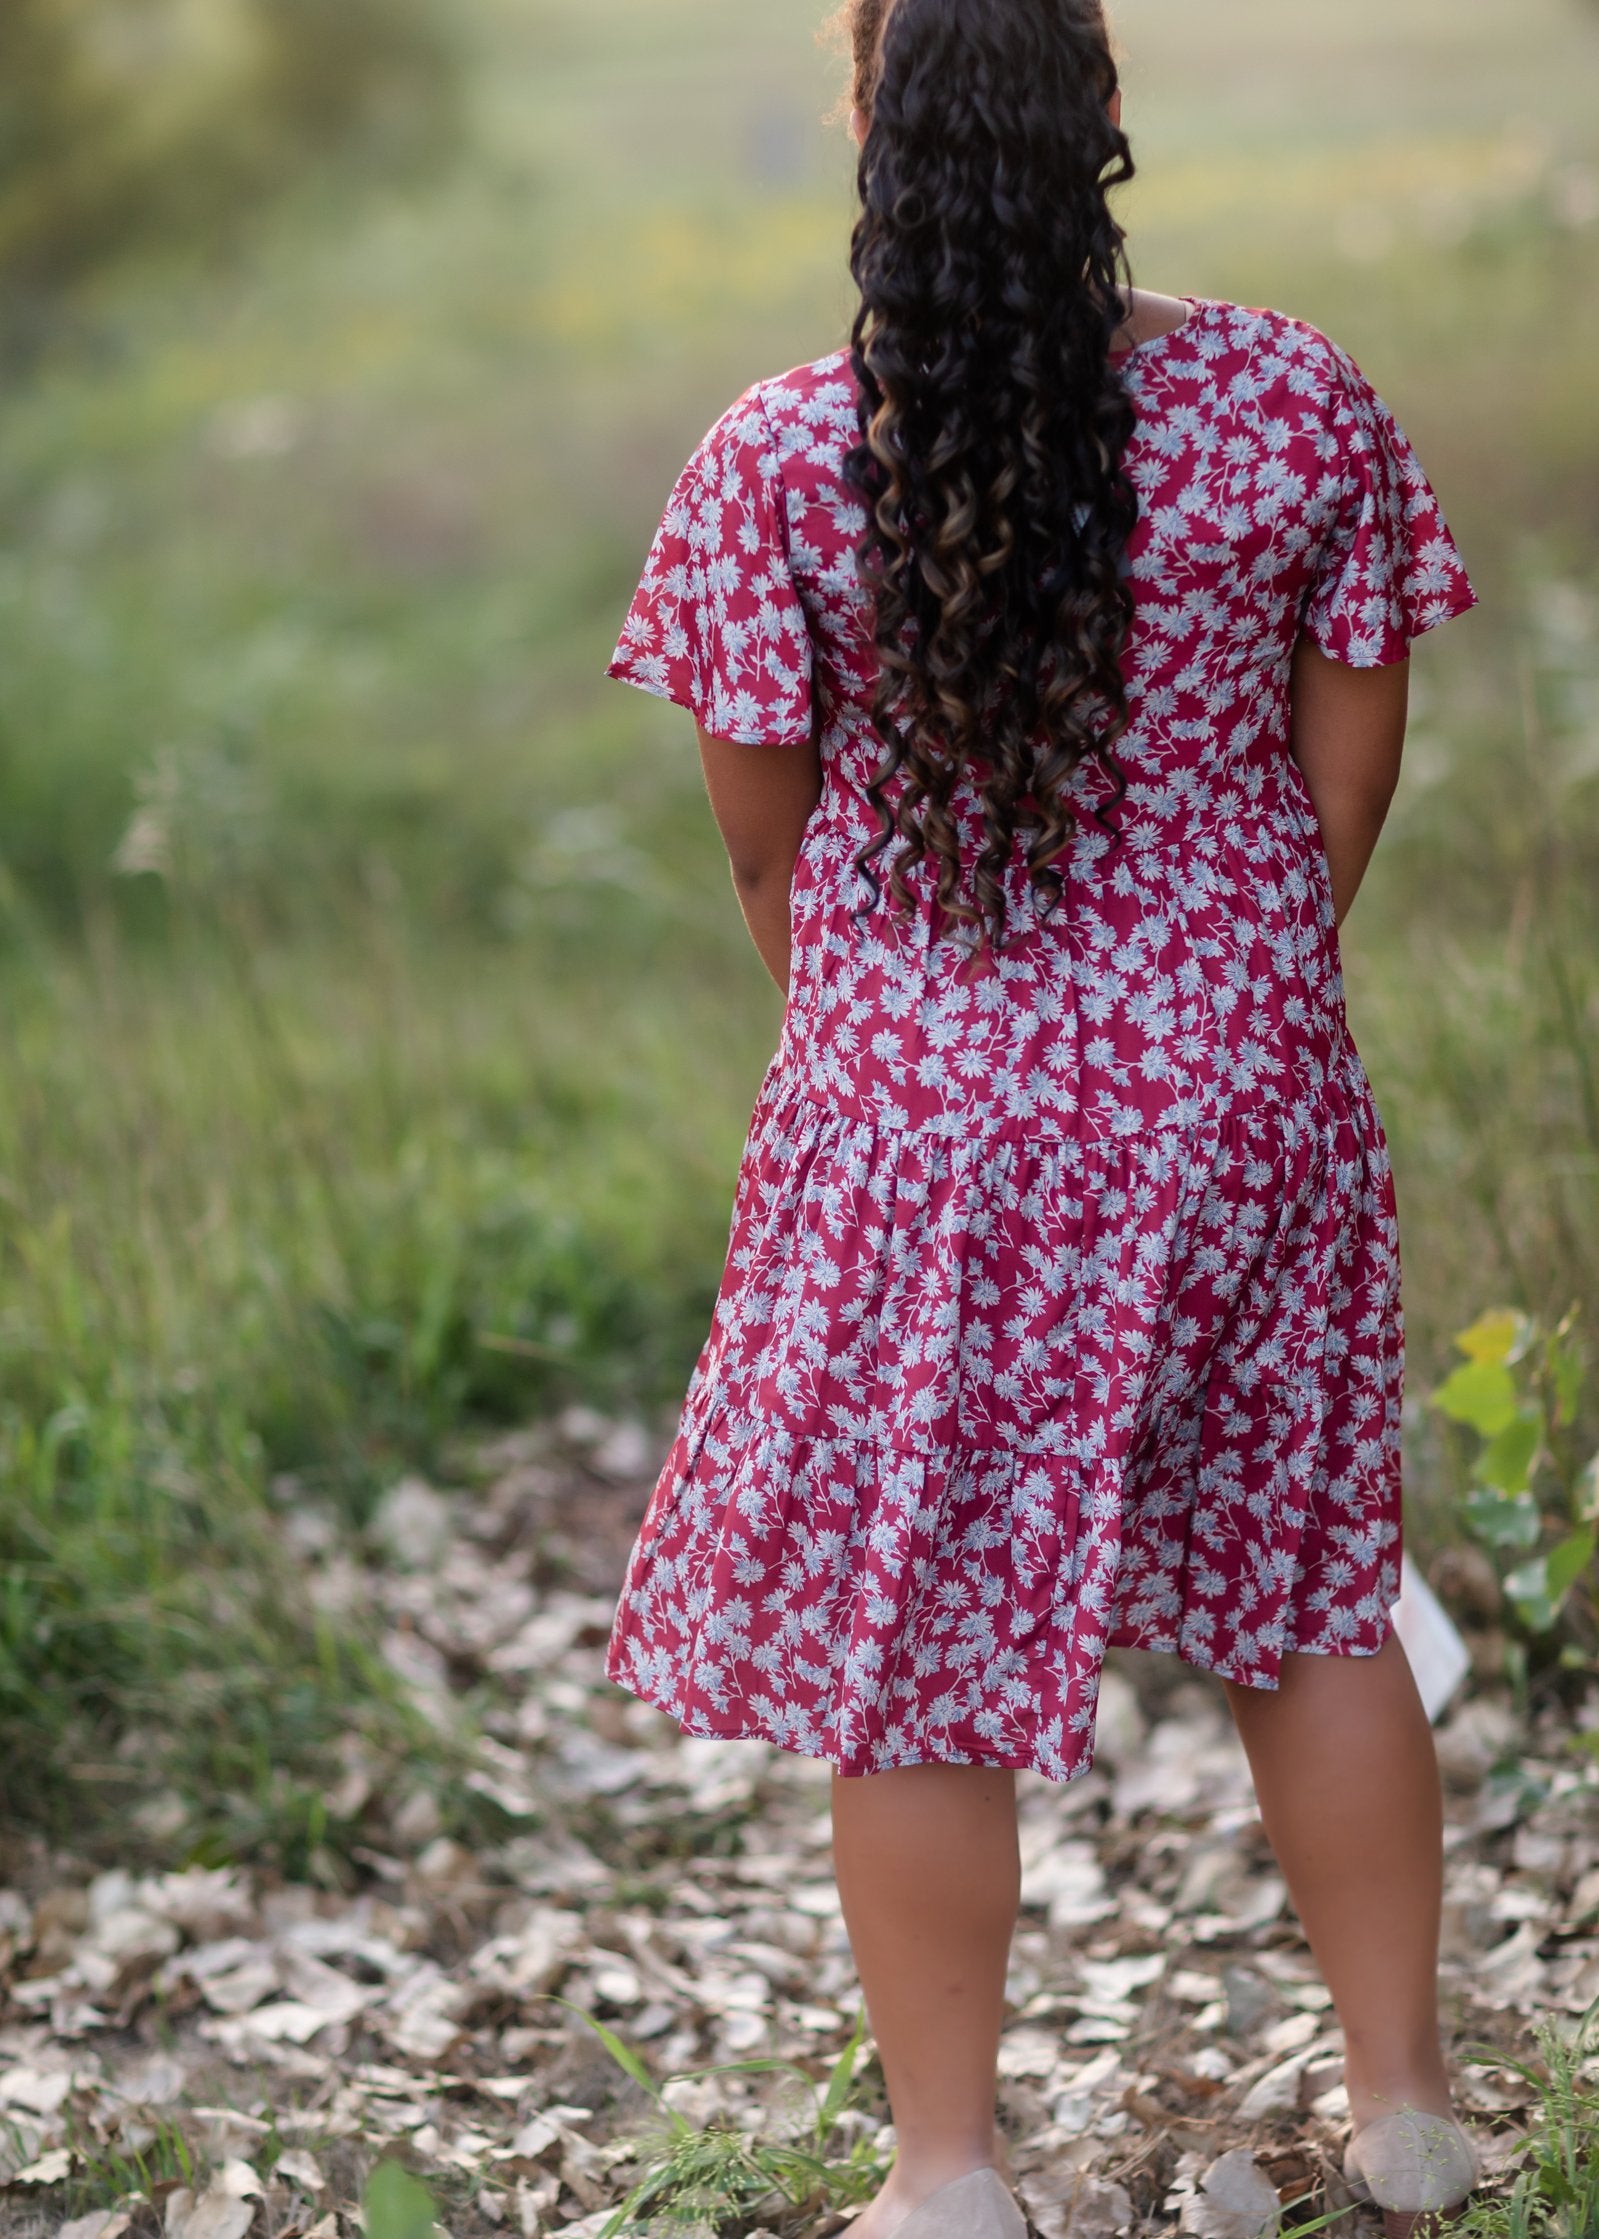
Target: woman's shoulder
column 1219, row 326
column 806, row 413
column 807, row 401
column 1276, row 347
column 801, row 410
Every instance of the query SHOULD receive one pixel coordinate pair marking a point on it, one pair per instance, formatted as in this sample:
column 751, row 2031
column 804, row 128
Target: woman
column 1048, row 649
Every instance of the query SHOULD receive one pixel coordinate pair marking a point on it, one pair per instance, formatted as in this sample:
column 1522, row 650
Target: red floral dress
column 1061, row 1302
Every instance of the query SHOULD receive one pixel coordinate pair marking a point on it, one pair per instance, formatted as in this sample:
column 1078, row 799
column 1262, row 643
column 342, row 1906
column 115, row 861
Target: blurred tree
column 123, row 121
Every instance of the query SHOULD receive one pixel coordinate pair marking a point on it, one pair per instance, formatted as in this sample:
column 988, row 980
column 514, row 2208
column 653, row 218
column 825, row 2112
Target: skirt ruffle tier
column 976, row 1408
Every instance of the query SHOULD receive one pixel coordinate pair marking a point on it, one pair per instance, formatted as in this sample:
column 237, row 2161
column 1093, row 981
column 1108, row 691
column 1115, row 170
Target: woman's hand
column 1347, row 737
column 762, row 797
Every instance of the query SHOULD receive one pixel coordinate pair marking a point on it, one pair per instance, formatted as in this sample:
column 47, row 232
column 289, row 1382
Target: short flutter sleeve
column 1389, row 568
column 717, row 624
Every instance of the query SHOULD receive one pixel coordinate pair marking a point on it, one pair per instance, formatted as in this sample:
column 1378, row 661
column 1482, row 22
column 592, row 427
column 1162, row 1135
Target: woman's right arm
column 1347, row 737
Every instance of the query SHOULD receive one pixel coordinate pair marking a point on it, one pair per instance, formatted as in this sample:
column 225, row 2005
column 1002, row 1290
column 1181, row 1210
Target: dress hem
column 852, row 1768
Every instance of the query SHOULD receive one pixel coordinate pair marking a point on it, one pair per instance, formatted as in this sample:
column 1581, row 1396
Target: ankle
column 922, row 2165
column 1424, row 2087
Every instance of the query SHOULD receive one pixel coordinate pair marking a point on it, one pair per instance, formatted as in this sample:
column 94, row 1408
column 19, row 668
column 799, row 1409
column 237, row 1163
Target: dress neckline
column 1198, row 305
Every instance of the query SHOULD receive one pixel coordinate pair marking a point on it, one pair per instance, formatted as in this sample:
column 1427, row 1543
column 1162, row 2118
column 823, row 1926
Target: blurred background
column 377, row 1026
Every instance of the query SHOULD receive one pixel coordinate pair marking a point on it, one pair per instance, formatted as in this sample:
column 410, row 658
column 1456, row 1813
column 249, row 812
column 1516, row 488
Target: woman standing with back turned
column 1048, row 650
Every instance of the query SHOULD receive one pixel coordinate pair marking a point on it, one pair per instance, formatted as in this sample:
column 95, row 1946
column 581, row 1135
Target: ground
column 1165, row 2010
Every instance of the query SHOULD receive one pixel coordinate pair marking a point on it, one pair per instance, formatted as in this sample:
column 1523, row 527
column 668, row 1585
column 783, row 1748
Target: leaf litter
column 210, row 2052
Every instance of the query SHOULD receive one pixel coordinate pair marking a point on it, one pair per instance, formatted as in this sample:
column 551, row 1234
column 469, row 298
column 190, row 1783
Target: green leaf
column 1568, row 1561
column 841, row 2080
column 1506, row 1461
column 1585, row 1494
column 1496, row 1338
column 397, row 2205
column 1529, row 1591
column 641, row 2197
column 1482, row 1394
column 626, row 2059
column 1565, row 1372
column 1304, row 2230
column 1500, row 1520
column 766, row 2065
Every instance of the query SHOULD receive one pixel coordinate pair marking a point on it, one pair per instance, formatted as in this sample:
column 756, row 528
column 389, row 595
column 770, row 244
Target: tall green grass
column 298, row 1210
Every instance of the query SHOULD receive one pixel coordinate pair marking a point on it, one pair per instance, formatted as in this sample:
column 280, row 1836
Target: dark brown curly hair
column 993, row 428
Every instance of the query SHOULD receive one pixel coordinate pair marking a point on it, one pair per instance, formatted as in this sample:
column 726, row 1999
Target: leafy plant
column 1529, row 1498
column 1555, row 2192
column 701, row 2176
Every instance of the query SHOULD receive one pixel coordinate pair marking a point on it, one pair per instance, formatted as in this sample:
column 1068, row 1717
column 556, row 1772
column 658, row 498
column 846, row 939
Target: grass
column 395, row 2204
column 698, row 2177
column 347, row 1257
column 106, row 2176
column 1550, row 2187
column 1554, row 2193
column 377, row 1029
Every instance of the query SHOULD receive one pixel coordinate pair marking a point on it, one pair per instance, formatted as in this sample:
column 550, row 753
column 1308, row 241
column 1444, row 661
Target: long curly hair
column 993, row 430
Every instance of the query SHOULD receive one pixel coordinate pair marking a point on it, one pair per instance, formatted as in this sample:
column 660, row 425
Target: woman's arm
column 1347, row 737
column 762, row 797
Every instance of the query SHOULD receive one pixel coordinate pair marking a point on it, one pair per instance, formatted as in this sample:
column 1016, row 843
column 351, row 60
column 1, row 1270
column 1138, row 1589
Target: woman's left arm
column 762, row 797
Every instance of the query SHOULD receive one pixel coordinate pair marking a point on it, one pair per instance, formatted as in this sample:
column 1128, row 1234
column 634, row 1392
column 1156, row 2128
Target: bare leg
column 930, row 1878
column 1347, row 1779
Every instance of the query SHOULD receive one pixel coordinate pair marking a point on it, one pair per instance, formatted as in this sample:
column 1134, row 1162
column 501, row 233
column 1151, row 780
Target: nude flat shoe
column 976, row 2206
column 1414, row 2167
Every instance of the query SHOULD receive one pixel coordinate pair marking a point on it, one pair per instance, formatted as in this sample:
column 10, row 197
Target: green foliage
column 396, row 2205
column 1554, row 2177
column 1518, row 1394
column 153, row 1643
column 105, row 2175
column 701, row 2177
column 1554, row 2193
column 275, row 1236
column 124, row 121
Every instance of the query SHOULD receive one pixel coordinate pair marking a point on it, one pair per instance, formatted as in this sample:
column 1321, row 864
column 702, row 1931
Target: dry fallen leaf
column 1074, row 2204
column 214, row 2213
column 302, row 2169
column 47, row 2169
column 1234, row 2200
column 100, row 2223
